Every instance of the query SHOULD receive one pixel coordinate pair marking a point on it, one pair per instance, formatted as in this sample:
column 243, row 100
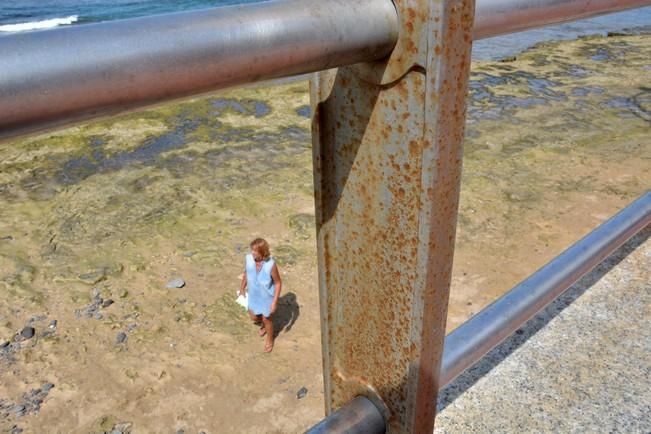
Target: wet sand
column 557, row 141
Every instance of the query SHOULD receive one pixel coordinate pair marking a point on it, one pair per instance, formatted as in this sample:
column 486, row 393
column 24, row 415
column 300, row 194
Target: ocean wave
column 38, row 25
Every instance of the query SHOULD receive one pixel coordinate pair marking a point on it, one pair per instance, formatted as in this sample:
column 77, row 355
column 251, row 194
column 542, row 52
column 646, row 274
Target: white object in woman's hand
column 242, row 300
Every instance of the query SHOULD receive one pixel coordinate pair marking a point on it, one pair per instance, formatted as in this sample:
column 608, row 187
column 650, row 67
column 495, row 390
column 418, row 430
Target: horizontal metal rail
column 59, row 76
column 359, row 416
column 499, row 17
column 468, row 343
column 56, row 77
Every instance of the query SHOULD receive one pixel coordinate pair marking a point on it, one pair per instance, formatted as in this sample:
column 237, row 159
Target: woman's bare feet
column 262, row 331
column 269, row 330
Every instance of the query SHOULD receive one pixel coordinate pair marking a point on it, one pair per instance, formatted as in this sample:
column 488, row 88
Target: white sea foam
column 37, row 25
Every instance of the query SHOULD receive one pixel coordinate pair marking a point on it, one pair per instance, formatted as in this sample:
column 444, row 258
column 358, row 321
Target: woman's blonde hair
column 261, row 246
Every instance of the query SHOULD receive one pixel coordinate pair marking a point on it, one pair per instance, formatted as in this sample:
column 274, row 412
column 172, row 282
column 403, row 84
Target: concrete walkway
column 582, row 365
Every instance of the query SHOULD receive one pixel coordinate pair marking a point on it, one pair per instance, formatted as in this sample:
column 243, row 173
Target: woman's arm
column 243, row 284
column 275, row 275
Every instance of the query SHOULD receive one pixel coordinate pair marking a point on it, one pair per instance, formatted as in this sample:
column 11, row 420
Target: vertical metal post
column 387, row 143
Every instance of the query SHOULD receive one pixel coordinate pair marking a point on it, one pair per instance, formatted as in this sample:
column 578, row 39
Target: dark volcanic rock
column 121, row 338
column 27, row 332
column 29, row 403
column 92, row 310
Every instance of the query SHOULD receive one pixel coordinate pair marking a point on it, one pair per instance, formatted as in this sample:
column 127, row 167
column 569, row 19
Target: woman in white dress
column 262, row 280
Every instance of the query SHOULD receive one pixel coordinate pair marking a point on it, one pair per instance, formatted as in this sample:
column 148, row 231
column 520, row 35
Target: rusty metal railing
column 387, row 133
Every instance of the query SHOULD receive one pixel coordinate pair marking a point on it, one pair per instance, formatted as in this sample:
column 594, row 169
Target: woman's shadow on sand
column 287, row 312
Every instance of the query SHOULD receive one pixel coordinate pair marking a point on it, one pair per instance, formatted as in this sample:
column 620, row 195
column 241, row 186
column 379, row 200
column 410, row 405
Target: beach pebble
column 123, row 427
column 175, row 283
column 27, row 332
column 3, row 344
column 46, row 387
column 53, row 324
column 121, row 337
column 19, row 410
column 93, row 277
column 36, row 318
column 301, row 393
column 107, row 302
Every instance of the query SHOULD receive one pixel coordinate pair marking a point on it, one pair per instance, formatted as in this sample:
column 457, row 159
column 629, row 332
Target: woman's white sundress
column 260, row 286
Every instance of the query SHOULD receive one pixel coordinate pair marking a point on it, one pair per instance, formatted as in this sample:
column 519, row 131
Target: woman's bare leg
column 257, row 320
column 269, row 328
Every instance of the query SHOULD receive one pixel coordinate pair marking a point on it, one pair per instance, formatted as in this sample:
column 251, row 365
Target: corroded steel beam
column 387, row 166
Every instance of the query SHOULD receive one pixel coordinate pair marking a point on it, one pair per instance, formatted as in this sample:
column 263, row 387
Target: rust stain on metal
column 411, row 47
column 387, row 152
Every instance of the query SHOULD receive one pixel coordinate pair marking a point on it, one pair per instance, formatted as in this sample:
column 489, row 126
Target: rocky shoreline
column 97, row 221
